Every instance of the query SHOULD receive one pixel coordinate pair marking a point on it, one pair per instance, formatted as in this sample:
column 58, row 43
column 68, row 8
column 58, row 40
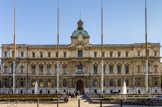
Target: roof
column 80, row 31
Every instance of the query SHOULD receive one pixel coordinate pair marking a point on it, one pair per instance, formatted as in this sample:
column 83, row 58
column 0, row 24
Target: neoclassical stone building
column 80, row 66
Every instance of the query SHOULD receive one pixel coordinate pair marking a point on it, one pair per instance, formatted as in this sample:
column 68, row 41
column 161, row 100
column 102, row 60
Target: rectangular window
column 119, row 69
column 111, row 69
column 64, row 54
column 41, row 69
column 95, row 54
column 148, row 52
column 49, row 54
column 5, row 54
column 111, row 54
column 33, row 83
column 155, row 53
column 5, row 69
column 95, row 69
column 22, row 68
column 22, row 85
column 156, row 83
column 155, row 68
column 127, row 83
column 56, row 69
column 138, row 68
column 111, row 83
column 126, row 69
column 33, row 68
column 33, row 54
column 41, row 83
column 49, row 69
column 119, row 83
column 64, row 69
column 49, row 84
column 22, row 54
column 56, row 54
column 80, row 53
column 41, row 54
column 103, row 54
column 126, row 54
column 12, row 53
column 139, row 53
column 118, row 54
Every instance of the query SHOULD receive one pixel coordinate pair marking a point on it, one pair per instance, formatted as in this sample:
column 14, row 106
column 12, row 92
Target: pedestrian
column 71, row 95
column 66, row 99
column 76, row 94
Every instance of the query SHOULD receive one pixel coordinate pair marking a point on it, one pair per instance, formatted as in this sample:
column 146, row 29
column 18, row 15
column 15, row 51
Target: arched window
column 48, row 69
column 127, row 83
column 138, row 83
column 12, row 53
column 111, row 68
column 156, row 83
column 5, row 84
column 80, row 68
column 147, row 52
column 94, row 83
column 49, row 83
column 41, row 69
column 64, row 83
column 64, row 69
column 126, row 69
column 22, row 83
column 33, row 83
column 41, row 83
column 119, row 83
column 119, row 69
column 111, row 83
column 95, row 69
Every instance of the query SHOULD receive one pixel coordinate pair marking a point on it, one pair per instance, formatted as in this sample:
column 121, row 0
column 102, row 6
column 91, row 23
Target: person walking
column 76, row 94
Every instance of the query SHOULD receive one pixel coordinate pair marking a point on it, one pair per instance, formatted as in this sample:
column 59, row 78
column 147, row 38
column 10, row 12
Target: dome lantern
column 80, row 24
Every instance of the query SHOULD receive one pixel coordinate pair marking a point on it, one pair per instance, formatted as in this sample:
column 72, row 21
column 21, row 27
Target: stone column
column 115, row 68
column 45, row 69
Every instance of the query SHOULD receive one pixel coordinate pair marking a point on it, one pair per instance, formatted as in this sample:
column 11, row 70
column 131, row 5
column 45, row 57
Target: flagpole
column 146, row 63
column 101, row 47
column 14, row 60
column 58, row 63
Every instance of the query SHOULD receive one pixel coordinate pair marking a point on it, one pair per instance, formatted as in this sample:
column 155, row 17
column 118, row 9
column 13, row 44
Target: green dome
column 80, row 30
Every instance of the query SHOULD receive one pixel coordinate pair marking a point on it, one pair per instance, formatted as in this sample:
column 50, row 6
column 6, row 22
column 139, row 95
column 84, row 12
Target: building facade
column 80, row 66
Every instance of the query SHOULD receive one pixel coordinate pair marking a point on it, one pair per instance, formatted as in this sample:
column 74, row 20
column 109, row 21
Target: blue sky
column 123, row 21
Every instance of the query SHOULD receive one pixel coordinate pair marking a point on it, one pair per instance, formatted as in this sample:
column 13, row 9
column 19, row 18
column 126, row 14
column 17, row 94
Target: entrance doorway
column 80, row 86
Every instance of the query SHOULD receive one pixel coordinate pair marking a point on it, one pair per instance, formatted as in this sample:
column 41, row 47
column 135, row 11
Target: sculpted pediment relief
column 79, row 42
column 80, row 46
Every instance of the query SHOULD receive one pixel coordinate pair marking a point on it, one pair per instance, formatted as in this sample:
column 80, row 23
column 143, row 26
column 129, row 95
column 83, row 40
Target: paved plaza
column 84, row 102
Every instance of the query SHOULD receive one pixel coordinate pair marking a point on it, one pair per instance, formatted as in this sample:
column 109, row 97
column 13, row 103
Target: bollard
column 57, row 102
column 38, row 103
column 101, row 103
column 121, row 103
column 78, row 102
